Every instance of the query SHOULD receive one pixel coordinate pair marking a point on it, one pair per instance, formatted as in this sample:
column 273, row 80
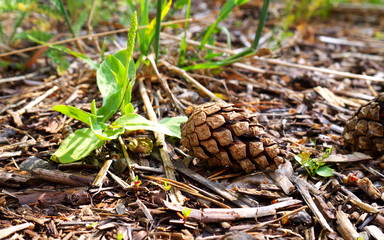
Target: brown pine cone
column 226, row 136
column 364, row 131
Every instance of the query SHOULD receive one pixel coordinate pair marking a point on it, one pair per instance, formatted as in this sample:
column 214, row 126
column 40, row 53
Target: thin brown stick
column 280, row 62
column 169, row 169
column 165, row 85
column 184, row 74
column 90, row 36
column 89, row 25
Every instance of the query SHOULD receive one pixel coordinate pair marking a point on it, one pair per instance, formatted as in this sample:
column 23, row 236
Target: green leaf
column 186, row 212
column 126, row 106
column 224, row 13
column 98, row 130
column 183, row 44
column 77, row 146
column 324, row 171
column 173, row 124
column 110, row 81
column 133, row 122
column 144, row 20
column 114, row 133
column 75, row 113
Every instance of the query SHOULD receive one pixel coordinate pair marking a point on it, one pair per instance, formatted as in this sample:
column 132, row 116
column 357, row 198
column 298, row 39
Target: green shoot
column 157, row 29
column 166, row 187
column 229, row 5
column 224, row 13
column 60, row 6
column 115, row 78
column 183, row 44
column 315, row 166
column 185, row 214
column 137, row 183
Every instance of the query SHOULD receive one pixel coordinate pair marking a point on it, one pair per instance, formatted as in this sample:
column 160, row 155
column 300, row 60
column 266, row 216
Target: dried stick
column 209, row 215
column 169, row 169
column 260, row 225
column 90, row 36
column 23, row 77
column 101, row 174
column 38, row 100
column 127, row 160
column 187, row 189
column 308, row 199
column 345, row 227
column 5, row 232
column 165, row 85
column 279, row 62
column 235, row 198
column 183, row 73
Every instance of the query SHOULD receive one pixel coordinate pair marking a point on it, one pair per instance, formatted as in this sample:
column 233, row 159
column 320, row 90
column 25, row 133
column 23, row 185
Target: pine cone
column 225, row 136
column 364, row 131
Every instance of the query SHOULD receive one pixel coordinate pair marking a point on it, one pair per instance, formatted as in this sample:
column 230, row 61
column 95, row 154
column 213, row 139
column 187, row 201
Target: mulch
column 303, row 94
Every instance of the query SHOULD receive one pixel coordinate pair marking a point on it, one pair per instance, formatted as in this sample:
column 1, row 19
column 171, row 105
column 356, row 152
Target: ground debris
column 302, row 94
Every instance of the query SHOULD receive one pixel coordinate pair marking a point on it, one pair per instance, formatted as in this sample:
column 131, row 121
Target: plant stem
column 260, row 26
column 157, row 29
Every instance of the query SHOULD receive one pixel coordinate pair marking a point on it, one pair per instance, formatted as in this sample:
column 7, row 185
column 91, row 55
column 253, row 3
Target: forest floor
column 303, row 93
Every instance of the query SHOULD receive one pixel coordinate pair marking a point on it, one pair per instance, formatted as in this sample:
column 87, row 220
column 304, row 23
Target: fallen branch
column 209, row 215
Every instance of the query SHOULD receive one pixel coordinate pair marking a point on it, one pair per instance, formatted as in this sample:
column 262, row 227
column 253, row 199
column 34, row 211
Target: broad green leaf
column 324, row 171
column 173, row 124
column 110, row 81
column 133, row 122
column 77, row 146
column 127, row 107
column 114, row 133
column 97, row 130
column 110, row 75
column 75, row 113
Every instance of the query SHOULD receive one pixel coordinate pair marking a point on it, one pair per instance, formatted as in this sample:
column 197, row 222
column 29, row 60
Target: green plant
column 137, row 183
column 167, row 187
column 115, row 79
column 315, row 166
column 150, row 36
column 225, row 11
column 185, row 214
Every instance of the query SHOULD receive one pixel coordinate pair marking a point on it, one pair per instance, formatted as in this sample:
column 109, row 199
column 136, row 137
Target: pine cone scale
column 364, row 131
column 226, row 136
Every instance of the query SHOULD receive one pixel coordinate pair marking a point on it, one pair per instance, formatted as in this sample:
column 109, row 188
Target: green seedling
column 315, row 166
column 166, row 187
column 185, row 214
column 137, row 183
column 225, row 11
column 115, row 79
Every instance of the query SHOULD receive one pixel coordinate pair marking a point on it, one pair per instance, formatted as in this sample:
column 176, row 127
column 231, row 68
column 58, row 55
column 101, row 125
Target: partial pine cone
column 226, row 136
column 364, row 131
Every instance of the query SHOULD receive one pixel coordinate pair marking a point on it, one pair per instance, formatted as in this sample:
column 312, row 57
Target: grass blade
column 157, row 29
column 224, row 13
column 260, row 25
column 183, row 44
